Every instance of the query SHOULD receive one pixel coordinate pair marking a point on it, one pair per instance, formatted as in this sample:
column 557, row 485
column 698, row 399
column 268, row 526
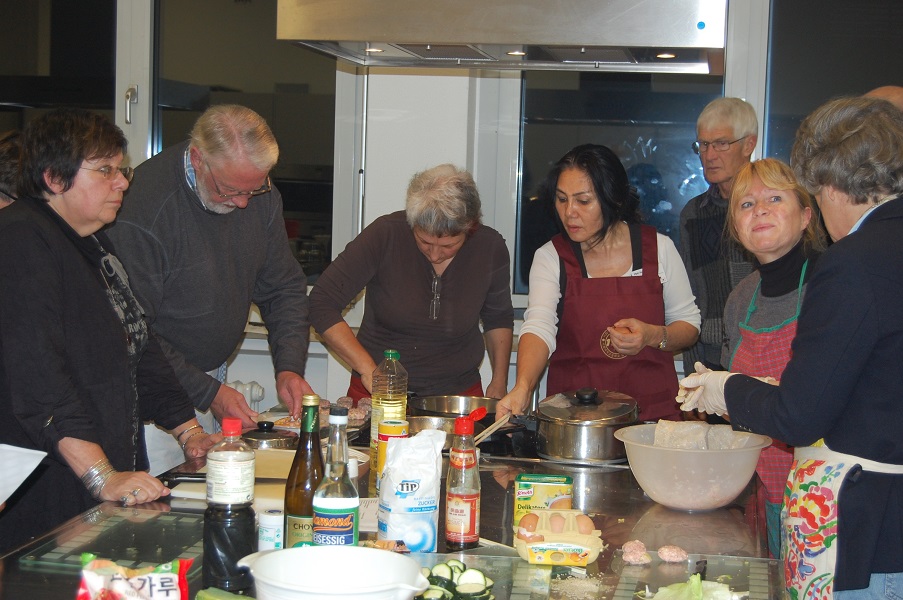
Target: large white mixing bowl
column 333, row 573
column 691, row 479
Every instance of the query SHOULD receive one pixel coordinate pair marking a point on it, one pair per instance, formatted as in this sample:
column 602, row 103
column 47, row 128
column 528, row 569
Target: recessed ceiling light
column 665, row 55
column 372, row 49
column 517, row 53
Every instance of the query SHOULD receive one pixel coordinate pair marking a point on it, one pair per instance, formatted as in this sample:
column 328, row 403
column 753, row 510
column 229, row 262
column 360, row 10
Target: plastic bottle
column 336, row 502
column 304, row 476
column 462, row 496
column 230, row 532
column 389, row 398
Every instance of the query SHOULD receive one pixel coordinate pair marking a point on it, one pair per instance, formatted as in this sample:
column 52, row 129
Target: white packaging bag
column 409, row 491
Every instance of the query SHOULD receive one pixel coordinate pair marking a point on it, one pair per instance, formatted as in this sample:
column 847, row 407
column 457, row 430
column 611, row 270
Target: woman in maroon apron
column 609, row 299
column 770, row 214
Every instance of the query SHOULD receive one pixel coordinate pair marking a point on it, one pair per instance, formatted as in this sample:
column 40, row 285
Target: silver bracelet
column 185, row 443
column 96, row 477
column 186, row 430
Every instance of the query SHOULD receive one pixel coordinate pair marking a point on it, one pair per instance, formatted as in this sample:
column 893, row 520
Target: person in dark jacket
column 839, row 399
column 79, row 369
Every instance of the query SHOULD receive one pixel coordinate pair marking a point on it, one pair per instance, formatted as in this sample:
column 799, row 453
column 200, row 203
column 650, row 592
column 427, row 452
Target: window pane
column 649, row 121
column 820, row 49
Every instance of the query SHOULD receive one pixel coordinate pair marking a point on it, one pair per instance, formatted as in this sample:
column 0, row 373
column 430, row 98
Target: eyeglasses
column 436, row 288
column 266, row 187
column 720, row 145
column 110, row 172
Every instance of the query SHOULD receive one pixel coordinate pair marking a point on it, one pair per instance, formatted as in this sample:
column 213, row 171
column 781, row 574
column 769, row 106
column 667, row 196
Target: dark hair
column 10, row 152
column 58, row 141
column 618, row 199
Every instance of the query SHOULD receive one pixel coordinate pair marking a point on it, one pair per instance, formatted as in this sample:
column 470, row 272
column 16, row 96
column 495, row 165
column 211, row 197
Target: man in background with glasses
column 726, row 135
column 202, row 236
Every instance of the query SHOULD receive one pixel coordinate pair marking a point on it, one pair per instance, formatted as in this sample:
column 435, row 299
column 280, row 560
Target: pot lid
column 266, row 436
column 589, row 406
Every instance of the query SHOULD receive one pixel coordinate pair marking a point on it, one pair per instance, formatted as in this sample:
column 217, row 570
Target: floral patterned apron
column 809, row 517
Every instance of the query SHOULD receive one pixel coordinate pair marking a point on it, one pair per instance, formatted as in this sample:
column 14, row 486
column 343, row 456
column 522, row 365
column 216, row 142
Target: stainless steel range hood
column 610, row 35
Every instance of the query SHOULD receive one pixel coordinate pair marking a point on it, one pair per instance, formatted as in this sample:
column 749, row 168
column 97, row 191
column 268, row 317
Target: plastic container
column 561, row 544
column 685, row 479
column 230, row 531
column 389, row 398
column 317, row 572
column 462, row 497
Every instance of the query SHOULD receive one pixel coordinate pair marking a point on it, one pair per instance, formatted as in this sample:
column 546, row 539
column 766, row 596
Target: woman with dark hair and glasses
column 432, row 274
column 609, row 300
column 79, row 369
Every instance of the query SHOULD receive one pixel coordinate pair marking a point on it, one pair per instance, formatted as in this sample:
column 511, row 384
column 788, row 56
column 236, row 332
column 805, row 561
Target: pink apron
column 764, row 353
column 583, row 357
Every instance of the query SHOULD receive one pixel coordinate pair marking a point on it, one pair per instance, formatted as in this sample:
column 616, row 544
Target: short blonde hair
column 777, row 175
column 736, row 113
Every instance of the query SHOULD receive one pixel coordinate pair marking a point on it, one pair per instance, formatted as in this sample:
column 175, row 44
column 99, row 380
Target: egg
column 529, row 522
column 556, row 523
column 585, row 525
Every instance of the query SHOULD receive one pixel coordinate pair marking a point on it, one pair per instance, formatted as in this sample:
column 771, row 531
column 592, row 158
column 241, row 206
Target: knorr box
column 534, row 491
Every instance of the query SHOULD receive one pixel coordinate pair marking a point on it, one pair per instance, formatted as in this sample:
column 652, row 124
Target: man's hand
column 229, row 402
column 290, row 387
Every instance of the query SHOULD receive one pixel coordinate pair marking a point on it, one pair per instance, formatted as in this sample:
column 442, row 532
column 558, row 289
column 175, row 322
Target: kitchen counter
column 730, row 538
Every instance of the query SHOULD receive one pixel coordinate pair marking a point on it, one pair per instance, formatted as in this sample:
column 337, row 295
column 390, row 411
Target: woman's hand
column 514, row 403
column 630, row 336
column 133, row 487
column 198, row 445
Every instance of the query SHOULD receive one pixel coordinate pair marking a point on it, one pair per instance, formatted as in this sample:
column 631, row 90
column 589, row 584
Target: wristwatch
column 664, row 342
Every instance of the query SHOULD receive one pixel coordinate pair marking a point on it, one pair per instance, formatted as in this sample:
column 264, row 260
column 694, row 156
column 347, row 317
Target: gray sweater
column 196, row 273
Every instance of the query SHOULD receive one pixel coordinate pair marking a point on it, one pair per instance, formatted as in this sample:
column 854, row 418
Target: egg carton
column 561, row 541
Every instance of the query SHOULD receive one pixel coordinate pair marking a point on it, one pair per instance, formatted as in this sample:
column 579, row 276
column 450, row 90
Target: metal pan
column 417, row 424
column 452, row 406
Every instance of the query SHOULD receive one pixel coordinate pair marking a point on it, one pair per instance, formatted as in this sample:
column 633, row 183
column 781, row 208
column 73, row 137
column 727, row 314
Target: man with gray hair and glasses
column 726, row 134
column 202, row 236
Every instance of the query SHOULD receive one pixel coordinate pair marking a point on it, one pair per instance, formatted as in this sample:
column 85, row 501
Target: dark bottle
column 230, row 532
column 462, row 497
column 304, row 476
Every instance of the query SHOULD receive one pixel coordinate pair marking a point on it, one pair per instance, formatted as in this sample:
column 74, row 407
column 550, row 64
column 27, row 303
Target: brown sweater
column 441, row 356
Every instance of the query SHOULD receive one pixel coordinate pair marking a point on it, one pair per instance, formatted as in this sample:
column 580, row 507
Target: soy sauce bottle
column 462, row 497
column 230, row 532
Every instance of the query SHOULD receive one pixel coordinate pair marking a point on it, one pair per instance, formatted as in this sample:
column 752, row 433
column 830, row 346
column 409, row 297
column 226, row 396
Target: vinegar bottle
column 462, row 497
column 230, row 532
column 304, row 476
column 389, row 398
column 336, row 503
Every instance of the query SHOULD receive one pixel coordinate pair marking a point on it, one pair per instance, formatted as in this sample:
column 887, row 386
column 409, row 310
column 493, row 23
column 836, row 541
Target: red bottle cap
column 231, row 427
column 463, row 426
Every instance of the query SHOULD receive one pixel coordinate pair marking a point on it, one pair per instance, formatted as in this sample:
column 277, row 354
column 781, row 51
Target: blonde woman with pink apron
column 843, row 509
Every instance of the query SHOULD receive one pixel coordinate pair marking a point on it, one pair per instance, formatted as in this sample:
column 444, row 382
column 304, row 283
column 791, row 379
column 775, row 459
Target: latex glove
column 688, row 402
column 705, row 392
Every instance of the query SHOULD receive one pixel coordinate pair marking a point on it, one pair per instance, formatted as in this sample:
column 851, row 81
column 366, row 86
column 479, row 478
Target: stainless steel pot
column 417, row 424
column 452, row 406
column 266, row 437
column 578, row 427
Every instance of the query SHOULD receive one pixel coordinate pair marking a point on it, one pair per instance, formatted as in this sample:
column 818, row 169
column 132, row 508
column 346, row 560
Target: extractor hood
column 680, row 36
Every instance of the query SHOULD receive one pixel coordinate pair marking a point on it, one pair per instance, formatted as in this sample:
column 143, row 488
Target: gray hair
column 854, row 145
column 229, row 132
column 734, row 112
column 443, row 201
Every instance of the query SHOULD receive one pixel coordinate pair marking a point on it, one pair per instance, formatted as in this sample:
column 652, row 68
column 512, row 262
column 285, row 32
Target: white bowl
column 691, row 479
column 334, row 572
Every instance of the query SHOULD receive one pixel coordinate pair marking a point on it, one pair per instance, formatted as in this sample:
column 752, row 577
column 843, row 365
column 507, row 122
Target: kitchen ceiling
column 609, row 35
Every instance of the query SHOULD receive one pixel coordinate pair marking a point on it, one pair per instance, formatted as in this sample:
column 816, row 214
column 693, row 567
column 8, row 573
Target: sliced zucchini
column 425, row 571
column 442, row 582
column 442, row 570
column 433, row 594
column 472, row 591
column 456, row 564
column 489, row 582
column 447, row 594
column 472, row 576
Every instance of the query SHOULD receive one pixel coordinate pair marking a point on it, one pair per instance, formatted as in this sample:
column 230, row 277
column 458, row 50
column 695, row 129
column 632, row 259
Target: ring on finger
column 135, row 492
column 124, row 500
